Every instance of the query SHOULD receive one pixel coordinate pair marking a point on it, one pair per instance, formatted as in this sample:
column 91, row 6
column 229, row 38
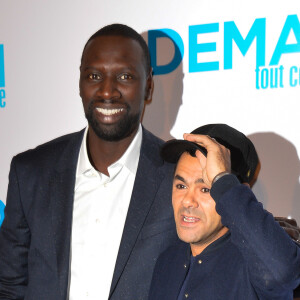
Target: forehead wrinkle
column 189, row 169
column 95, row 67
column 116, row 63
column 199, row 180
column 96, row 49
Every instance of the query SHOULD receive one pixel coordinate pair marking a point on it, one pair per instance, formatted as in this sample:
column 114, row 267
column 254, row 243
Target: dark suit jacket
column 35, row 234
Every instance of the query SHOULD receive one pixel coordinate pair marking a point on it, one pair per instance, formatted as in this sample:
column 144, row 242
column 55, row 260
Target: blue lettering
column 2, row 76
column 153, row 35
column 269, row 78
column 2, row 96
column 2, row 206
column 291, row 23
column 274, row 78
column 195, row 48
column 264, row 78
column 231, row 32
column 257, row 78
column 293, row 70
column 281, row 76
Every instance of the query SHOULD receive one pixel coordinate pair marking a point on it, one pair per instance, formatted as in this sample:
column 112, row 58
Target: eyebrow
column 126, row 68
column 178, row 177
column 87, row 68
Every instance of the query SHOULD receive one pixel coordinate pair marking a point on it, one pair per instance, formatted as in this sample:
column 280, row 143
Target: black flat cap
column 244, row 159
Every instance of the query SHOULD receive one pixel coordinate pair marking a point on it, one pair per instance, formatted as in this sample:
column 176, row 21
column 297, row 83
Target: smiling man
column 88, row 213
column 232, row 248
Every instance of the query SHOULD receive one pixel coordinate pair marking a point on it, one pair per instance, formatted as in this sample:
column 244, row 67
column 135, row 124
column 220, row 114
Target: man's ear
column 149, row 87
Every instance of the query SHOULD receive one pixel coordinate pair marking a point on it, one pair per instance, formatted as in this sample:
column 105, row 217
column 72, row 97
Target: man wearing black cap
column 233, row 248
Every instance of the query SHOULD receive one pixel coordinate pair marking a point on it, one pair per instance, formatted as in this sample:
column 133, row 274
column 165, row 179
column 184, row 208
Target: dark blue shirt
column 256, row 259
column 195, row 267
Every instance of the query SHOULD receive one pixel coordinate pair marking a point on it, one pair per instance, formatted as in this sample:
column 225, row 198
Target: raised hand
column 217, row 160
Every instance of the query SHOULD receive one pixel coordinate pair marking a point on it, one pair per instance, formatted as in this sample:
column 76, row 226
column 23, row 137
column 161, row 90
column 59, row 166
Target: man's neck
column 198, row 248
column 104, row 153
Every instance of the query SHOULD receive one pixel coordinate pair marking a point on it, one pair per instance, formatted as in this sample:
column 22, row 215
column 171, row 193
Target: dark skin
column 113, row 81
column 113, row 69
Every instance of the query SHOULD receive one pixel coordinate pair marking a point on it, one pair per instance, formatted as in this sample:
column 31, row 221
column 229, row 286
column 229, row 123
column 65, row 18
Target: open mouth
column 190, row 219
column 109, row 112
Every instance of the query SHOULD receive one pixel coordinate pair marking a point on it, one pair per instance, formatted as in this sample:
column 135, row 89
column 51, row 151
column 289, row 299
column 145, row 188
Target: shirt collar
column 129, row 159
column 220, row 242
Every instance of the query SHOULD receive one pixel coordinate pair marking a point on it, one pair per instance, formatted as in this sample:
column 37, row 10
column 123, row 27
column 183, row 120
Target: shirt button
column 186, row 295
column 98, row 221
column 105, row 184
column 199, row 261
column 184, row 266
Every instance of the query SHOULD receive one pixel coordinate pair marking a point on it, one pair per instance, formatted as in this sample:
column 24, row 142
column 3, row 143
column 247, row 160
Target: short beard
column 114, row 133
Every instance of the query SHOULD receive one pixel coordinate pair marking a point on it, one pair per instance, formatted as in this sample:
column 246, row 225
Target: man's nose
column 108, row 89
column 190, row 199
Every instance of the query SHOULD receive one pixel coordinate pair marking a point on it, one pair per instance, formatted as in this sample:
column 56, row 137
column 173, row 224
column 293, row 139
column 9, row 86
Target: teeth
column 189, row 219
column 109, row 112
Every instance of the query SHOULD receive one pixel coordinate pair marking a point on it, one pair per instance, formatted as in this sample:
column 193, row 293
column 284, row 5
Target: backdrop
column 234, row 62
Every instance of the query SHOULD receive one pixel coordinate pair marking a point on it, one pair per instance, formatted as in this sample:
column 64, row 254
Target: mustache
column 93, row 102
column 190, row 212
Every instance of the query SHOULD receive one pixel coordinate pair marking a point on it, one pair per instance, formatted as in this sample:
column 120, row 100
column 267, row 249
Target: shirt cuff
column 222, row 185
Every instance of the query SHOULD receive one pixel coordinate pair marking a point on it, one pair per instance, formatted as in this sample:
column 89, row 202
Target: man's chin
column 188, row 238
column 112, row 133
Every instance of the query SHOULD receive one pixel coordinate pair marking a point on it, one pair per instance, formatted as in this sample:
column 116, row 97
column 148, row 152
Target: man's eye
column 125, row 77
column 94, row 76
column 205, row 190
column 180, row 186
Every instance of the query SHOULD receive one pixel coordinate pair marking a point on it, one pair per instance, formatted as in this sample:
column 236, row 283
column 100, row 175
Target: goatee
column 116, row 132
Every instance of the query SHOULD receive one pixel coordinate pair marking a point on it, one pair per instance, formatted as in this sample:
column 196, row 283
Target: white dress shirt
column 99, row 213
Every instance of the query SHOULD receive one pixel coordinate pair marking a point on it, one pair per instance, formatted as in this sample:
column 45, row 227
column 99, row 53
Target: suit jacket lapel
column 62, row 197
column 148, row 178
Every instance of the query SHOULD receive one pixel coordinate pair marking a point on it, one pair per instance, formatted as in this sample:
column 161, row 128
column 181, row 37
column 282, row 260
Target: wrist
column 218, row 176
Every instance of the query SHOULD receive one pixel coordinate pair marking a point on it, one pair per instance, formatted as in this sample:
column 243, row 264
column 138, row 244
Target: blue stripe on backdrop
column 2, row 74
column 2, row 206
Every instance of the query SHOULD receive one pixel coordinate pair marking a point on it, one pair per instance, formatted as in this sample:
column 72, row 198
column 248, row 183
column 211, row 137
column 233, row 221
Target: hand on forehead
column 218, row 156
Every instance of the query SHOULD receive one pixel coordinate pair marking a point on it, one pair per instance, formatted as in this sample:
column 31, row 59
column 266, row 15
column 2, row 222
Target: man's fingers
column 207, row 142
column 201, row 158
column 217, row 159
column 204, row 140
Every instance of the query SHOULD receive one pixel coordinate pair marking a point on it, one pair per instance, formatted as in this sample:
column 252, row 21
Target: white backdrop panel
column 43, row 41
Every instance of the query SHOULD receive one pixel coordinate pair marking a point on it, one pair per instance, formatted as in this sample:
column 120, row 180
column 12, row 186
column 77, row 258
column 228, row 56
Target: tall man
column 232, row 248
column 88, row 213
